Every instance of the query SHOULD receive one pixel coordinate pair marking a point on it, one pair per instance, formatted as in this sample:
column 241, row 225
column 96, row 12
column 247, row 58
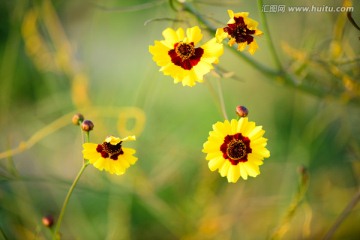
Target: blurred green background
column 62, row 57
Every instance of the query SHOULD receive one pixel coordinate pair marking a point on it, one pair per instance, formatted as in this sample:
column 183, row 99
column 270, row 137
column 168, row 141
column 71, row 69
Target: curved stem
column 268, row 36
column 58, row 223
column 343, row 216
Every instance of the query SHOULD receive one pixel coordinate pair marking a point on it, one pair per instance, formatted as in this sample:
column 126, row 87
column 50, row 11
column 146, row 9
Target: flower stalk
column 268, row 36
column 283, row 227
column 61, row 215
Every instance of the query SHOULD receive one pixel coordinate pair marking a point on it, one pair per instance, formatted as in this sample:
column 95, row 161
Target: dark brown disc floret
column 239, row 31
column 236, row 148
column 185, row 55
column 107, row 150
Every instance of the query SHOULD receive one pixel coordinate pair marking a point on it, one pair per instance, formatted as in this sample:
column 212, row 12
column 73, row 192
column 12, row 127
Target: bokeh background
column 58, row 58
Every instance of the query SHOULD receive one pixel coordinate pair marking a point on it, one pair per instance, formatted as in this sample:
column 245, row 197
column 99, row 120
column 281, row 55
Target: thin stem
column 268, row 36
column 87, row 137
column 221, row 99
column 343, row 216
column 284, row 225
column 58, row 223
column 3, row 234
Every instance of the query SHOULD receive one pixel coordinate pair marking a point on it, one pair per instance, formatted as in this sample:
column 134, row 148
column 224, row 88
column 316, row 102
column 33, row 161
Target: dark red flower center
column 236, row 148
column 185, row 55
column 108, row 150
column 239, row 31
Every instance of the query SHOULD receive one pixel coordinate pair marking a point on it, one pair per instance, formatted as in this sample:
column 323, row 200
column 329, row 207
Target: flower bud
column 87, row 125
column 242, row 111
column 48, row 221
column 77, row 119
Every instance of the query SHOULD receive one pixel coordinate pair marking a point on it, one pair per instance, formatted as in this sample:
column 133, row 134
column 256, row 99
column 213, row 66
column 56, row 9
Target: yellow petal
column 216, row 163
column 231, row 15
column 201, row 69
column 223, row 170
column 243, row 171
column 214, row 154
column 234, row 173
column 255, row 159
column 112, row 140
column 263, row 152
column 242, row 124
column 253, row 47
column 180, row 34
column 241, row 14
column 128, row 138
column 171, row 37
column 248, row 128
column 234, row 124
column 256, row 133
column 209, row 147
column 220, row 35
column 99, row 163
column 232, row 41
column 212, row 49
column 194, row 34
column 242, row 46
column 251, row 24
column 251, row 169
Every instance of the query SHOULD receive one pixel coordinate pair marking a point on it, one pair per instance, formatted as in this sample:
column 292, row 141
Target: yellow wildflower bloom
column 178, row 56
column 241, row 30
column 110, row 155
column 236, row 149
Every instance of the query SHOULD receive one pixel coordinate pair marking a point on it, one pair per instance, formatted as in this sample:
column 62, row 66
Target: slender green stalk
column 221, row 99
column 354, row 201
column 266, row 30
column 58, row 223
column 284, row 224
column 3, row 234
column 278, row 74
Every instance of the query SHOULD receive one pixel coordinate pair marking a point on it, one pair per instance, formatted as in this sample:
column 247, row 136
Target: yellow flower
column 236, row 148
column 110, row 155
column 241, row 30
column 178, row 56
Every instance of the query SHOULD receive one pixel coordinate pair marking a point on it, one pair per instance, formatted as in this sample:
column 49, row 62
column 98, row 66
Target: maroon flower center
column 239, row 31
column 185, row 55
column 236, row 148
column 108, row 150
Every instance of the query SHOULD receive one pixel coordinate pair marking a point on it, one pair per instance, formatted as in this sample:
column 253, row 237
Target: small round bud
column 242, row 111
column 77, row 119
column 87, row 125
column 48, row 221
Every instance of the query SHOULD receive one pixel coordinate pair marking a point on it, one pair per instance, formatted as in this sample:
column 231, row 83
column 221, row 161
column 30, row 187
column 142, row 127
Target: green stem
column 279, row 74
column 221, row 99
column 294, row 205
column 266, row 30
column 58, row 223
column 354, row 201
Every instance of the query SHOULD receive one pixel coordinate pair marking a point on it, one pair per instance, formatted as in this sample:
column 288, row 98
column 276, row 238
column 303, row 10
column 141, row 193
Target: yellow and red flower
column 179, row 56
column 236, row 149
column 241, row 30
column 110, row 155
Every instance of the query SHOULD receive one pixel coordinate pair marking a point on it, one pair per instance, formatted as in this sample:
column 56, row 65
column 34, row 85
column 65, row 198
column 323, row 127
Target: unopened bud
column 242, row 111
column 87, row 125
column 77, row 119
column 48, row 221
